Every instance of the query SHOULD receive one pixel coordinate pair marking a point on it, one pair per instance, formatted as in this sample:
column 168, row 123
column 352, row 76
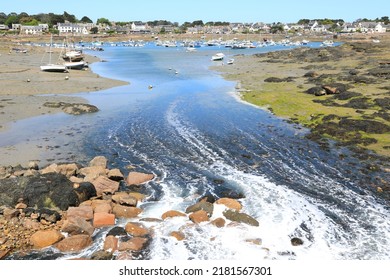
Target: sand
column 24, row 85
column 24, row 88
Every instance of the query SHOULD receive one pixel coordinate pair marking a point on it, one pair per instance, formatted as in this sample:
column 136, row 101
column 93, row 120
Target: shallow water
column 193, row 133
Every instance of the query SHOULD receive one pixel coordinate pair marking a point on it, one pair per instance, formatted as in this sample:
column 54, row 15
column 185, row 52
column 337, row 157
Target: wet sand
column 24, row 88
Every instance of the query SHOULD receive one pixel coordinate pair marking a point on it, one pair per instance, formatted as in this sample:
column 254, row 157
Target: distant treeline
column 52, row 19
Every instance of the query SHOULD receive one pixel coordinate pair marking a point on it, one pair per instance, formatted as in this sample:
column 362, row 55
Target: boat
column 218, row 56
column 77, row 65
column 73, row 56
column 51, row 67
column 230, row 61
column 327, row 43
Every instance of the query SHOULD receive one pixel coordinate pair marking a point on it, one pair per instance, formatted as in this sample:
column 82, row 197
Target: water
column 198, row 139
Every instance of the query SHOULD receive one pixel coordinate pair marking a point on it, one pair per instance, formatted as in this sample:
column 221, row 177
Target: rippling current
column 199, row 139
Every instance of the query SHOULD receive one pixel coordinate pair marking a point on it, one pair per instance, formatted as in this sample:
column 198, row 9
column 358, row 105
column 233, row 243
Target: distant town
column 68, row 24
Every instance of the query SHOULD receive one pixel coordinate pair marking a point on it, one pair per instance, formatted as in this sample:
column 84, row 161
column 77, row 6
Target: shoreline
column 24, row 89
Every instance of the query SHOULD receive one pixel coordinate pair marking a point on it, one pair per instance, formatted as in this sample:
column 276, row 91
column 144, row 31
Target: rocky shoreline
column 340, row 93
column 62, row 206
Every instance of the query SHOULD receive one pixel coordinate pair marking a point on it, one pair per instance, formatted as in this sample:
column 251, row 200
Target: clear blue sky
column 207, row 10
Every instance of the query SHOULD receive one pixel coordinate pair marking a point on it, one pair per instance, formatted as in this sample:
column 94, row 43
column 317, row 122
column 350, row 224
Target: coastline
column 280, row 82
column 24, row 85
column 24, row 88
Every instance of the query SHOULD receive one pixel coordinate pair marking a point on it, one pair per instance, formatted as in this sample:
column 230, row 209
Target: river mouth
column 199, row 140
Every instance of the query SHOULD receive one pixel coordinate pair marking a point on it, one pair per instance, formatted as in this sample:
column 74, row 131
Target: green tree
column 103, row 21
column 3, row 18
column 198, row 23
column 11, row 20
column 94, row 30
column 86, row 19
column 69, row 17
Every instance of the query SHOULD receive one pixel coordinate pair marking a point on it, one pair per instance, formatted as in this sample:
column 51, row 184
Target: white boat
column 218, row 56
column 54, row 68
column 230, row 61
column 78, row 65
column 327, row 43
column 51, row 67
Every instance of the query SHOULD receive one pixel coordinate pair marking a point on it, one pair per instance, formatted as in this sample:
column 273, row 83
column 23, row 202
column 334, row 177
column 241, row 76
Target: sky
column 285, row 11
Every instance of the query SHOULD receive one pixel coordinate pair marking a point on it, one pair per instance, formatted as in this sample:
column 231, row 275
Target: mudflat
column 340, row 93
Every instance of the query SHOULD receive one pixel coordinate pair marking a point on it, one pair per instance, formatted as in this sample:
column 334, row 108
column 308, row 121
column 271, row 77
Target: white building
column 31, row 30
column 73, row 28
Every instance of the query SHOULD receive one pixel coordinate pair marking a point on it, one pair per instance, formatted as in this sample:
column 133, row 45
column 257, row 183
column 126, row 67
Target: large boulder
column 240, row 217
column 79, row 108
column 74, row 243
column 45, row 238
column 202, row 205
column 104, row 185
column 138, row 178
column 77, row 225
column 50, row 190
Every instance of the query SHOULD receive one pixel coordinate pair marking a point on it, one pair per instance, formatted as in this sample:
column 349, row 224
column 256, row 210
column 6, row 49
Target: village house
column 73, row 28
column 4, row 27
column 138, row 27
column 31, row 30
column 371, row 27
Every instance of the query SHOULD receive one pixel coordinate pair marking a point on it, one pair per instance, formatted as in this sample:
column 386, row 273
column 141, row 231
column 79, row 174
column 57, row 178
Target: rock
column 115, row 175
column 219, row 222
column 311, row 74
column 138, row 178
column 74, row 243
column 103, row 220
column 134, row 244
column 50, row 190
column 117, row 231
column 98, row 161
column 136, row 229
column 103, row 208
column 10, row 213
column 317, row 91
column 178, row 235
column 76, row 180
column 199, row 217
column 202, row 205
column 33, row 165
column 92, row 173
column 52, row 168
column 20, row 205
column 296, row 241
column 104, row 185
column 172, row 214
column 85, row 212
column 68, row 170
column 240, row 217
column 78, row 109
column 256, row 241
column 139, row 196
column 45, row 238
column 48, row 215
column 330, row 90
column 77, row 225
column 368, row 126
column 124, row 198
column 4, row 254
column 230, row 203
column 102, row 255
column 126, row 211
column 110, row 243
column 85, row 191
column 31, row 224
column 124, row 256
column 274, row 80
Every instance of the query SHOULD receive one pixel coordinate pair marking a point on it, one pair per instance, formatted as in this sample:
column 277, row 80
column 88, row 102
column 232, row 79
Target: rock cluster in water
column 62, row 205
